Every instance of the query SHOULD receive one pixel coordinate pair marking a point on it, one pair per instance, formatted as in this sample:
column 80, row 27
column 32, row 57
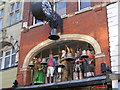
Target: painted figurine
column 64, row 76
column 78, row 66
column 51, row 63
column 66, row 60
column 89, row 65
column 39, row 75
column 65, row 71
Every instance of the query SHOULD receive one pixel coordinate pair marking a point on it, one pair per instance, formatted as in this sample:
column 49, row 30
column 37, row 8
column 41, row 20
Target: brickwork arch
column 79, row 37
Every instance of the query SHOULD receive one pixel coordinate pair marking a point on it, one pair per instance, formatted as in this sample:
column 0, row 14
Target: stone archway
column 79, row 37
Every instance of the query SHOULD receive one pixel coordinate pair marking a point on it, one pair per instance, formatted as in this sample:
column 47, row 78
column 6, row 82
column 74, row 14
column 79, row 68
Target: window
column 12, row 8
column 18, row 5
column 1, row 17
column 17, row 16
column 7, row 58
column 82, row 4
column 13, row 58
column 1, row 55
column 1, row 13
column 0, row 23
column 0, row 63
column 15, row 13
column 60, row 7
column 36, row 21
column 11, row 18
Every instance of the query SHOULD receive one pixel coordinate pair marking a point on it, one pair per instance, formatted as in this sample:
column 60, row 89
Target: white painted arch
column 64, row 37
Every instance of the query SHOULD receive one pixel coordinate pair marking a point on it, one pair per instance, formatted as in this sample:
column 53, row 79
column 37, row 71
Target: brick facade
column 92, row 23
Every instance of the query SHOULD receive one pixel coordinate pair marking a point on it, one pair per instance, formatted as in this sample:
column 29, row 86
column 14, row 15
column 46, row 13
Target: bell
column 44, row 61
column 69, row 57
column 60, row 65
column 84, row 54
column 31, row 64
column 53, row 34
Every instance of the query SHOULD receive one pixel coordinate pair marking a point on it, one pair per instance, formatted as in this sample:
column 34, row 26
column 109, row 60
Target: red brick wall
column 92, row 23
column 27, row 15
column 23, row 77
column 71, row 7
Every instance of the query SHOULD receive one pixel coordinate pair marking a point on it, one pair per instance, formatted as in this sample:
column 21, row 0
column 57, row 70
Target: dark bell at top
column 53, row 34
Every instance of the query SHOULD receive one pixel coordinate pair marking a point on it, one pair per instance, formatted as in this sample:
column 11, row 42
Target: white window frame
column 14, row 12
column 79, row 6
column 10, row 62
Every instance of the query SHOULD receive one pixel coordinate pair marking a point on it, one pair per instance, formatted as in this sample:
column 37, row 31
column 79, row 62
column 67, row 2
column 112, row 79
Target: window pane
column 0, row 23
column 18, row 5
column 13, row 59
column 1, row 53
column 12, row 8
column 1, row 13
column 0, row 63
column 61, row 7
column 7, row 53
column 85, row 4
column 17, row 16
column 37, row 21
column 11, row 19
column 13, row 51
column 7, row 62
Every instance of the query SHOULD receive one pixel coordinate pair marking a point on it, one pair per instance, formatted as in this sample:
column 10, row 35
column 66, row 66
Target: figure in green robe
column 39, row 75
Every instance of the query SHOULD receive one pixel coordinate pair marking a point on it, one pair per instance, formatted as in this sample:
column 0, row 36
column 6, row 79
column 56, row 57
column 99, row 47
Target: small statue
column 67, row 62
column 78, row 66
column 39, row 75
column 51, row 63
column 64, row 76
column 89, row 65
column 64, row 71
column 59, row 68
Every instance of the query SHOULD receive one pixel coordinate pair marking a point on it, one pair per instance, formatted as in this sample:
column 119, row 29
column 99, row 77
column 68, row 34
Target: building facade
column 10, row 31
column 113, row 19
column 87, row 26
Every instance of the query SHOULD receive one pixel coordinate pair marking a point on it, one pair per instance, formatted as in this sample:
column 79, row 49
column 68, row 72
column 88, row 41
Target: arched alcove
column 80, row 37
